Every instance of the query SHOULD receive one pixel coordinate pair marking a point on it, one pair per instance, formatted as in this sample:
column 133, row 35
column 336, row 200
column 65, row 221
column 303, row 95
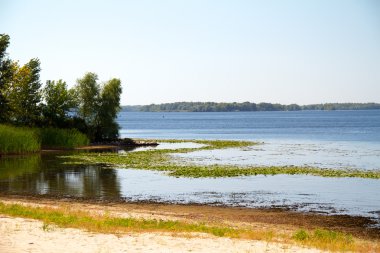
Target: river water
column 326, row 139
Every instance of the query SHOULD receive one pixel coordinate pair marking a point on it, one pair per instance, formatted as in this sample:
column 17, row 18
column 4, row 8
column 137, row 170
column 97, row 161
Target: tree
column 108, row 109
column 6, row 75
column 23, row 94
column 58, row 102
column 98, row 107
column 87, row 97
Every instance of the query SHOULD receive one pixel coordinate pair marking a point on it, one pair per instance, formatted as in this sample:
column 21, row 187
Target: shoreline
column 274, row 218
column 268, row 230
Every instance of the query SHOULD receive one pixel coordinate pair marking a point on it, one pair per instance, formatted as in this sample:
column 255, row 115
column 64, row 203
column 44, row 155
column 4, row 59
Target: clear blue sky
column 294, row 51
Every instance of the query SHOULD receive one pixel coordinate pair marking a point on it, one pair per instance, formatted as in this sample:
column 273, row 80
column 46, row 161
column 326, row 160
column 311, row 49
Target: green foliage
column 161, row 160
column 93, row 110
column 24, row 94
column 58, row 102
column 246, row 106
column 88, row 92
column 18, row 140
column 99, row 106
column 24, row 140
column 108, row 109
column 62, row 138
column 6, row 75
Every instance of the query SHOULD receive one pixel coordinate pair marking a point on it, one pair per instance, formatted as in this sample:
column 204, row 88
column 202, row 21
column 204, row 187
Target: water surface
column 337, row 139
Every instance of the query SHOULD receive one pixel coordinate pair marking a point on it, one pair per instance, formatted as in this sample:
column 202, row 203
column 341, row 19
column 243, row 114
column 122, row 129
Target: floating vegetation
column 161, row 160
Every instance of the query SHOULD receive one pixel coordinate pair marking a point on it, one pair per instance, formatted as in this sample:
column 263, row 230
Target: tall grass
column 62, row 138
column 18, row 140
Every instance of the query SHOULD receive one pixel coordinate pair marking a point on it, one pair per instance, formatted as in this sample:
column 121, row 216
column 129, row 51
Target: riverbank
column 281, row 229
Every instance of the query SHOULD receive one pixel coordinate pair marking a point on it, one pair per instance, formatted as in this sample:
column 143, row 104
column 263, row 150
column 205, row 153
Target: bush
column 18, row 140
column 62, row 138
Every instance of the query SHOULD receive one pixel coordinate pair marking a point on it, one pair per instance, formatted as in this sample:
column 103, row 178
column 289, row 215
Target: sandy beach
column 25, row 235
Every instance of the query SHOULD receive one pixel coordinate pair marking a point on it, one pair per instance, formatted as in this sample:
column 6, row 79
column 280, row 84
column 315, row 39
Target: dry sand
column 25, row 235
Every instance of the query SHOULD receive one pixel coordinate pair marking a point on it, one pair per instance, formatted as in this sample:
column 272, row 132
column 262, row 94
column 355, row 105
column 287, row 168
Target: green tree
column 87, row 97
column 58, row 102
column 107, row 127
column 23, row 94
column 98, row 107
column 6, row 75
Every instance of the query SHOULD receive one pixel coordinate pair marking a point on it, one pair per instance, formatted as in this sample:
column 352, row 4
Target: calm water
column 338, row 139
column 357, row 126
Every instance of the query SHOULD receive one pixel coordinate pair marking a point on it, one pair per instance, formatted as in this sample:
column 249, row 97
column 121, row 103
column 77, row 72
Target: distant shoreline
column 246, row 107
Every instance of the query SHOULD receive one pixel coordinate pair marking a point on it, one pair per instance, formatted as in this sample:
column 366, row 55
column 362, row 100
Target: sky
column 284, row 51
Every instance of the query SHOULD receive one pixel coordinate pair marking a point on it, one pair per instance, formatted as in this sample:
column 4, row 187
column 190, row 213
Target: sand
column 26, row 235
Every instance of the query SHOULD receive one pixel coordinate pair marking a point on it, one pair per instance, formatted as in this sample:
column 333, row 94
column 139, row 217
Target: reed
column 18, row 140
column 62, row 138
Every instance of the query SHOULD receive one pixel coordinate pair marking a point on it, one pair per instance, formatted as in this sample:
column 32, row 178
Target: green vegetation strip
column 161, row 160
column 18, row 140
column 66, row 218
column 105, row 223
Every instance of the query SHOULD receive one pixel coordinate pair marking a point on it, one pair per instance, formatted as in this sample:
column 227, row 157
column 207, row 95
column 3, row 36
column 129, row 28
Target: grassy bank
column 162, row 160
column 106, row 223
column 19, row 140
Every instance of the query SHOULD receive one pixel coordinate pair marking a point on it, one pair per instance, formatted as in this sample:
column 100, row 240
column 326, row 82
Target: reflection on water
column 11, row 167
column 47, row 174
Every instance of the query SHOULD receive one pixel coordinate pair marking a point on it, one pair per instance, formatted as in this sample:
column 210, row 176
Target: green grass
column 104, row 223
column 62, row 138
column 325, row 239
column 18, row 140
column 162, row 160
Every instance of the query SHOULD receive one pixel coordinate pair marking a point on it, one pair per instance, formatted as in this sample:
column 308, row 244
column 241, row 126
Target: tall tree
column 108, row 128
column 87, row 97
column 23, row 94
column 58, row 102
column 6, row 75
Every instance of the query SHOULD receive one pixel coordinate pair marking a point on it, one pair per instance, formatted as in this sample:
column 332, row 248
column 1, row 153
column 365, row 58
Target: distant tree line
column 245, row 107
column 90, row 106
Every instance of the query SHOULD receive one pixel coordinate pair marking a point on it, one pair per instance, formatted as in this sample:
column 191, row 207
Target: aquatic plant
column 62, row 138
column 162, row 160
column 18, row 140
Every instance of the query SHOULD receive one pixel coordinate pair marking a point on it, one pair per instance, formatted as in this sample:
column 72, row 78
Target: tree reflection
column 46, row 174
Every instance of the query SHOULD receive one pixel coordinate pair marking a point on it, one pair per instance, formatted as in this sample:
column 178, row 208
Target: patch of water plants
column 162, row 160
